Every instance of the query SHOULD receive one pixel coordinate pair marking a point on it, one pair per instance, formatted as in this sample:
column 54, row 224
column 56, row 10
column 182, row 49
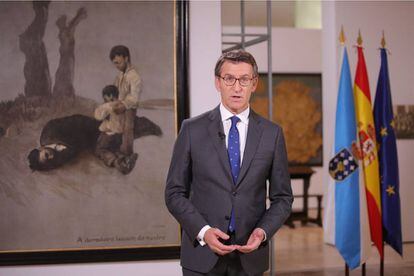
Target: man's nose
column 237, row 87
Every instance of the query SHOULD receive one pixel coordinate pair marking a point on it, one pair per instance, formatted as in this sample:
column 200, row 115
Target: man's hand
column 118, row 107
column 255, row 239
column 211, row 238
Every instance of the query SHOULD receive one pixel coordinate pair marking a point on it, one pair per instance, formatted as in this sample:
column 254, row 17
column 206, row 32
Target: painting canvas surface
column 297, row 108
column 84, row 203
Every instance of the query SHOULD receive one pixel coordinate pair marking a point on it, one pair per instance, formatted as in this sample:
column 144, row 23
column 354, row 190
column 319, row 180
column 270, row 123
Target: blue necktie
column 233, row 151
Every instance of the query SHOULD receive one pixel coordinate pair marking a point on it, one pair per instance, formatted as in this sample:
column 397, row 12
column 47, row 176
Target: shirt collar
column 226, row 114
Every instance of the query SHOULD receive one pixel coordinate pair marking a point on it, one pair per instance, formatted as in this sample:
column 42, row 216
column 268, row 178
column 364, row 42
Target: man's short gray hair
column 236, row 57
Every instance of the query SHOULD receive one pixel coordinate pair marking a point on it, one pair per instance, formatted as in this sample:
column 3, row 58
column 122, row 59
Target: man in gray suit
column 216, row 184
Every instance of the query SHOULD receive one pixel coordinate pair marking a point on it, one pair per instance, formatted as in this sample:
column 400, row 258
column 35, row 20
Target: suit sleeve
column 178, row 186
column 280, row 191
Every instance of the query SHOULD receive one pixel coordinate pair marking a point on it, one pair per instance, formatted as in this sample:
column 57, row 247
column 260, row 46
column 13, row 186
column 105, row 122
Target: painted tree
column 66, row 70
column 36, row 67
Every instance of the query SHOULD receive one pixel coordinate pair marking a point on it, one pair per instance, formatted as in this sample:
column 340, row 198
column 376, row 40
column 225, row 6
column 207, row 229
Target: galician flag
column 368, row 148
column 346, row 219
column 384, row 126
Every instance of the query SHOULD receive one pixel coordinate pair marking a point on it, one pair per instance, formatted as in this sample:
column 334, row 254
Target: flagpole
column 359, row 39
column 359, row 43
column 383, row 40
column 383, row 256
column 342, row 42
column 382, row 261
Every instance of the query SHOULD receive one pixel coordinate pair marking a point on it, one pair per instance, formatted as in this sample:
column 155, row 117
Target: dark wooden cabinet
column 302, row 214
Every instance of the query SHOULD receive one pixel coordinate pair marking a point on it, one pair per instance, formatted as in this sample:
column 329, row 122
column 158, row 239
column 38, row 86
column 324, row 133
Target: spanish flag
column 368, row 148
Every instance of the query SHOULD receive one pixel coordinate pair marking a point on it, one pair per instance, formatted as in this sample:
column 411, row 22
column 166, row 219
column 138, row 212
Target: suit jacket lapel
column 216, row 132
column 254, row 133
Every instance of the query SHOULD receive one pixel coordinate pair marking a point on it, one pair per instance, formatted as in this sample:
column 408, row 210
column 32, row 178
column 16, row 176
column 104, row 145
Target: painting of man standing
column 128, row 83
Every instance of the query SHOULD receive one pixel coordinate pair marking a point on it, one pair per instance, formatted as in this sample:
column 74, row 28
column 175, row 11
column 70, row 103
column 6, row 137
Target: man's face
column 45, row 154
column 236, row 97
column 120, row 62
column 109, row 98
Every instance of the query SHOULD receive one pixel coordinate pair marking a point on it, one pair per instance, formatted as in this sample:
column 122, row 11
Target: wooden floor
column 301, row 251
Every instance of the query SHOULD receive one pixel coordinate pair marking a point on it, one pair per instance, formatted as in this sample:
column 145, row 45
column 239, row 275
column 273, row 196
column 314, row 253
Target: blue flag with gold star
column 387, row 148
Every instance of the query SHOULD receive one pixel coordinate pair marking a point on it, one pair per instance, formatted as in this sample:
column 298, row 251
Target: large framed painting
column 82, row 180
column 297, row 107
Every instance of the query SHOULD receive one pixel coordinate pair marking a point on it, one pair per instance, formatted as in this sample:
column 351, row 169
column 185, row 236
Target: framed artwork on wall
column 297, row 108
column 404, row 121
column 83, row 209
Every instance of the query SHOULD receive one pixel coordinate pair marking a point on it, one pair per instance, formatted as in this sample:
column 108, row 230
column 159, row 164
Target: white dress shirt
column 241, row 126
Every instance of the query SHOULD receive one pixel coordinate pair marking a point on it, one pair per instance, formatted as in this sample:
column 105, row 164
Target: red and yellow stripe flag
column 368, row 149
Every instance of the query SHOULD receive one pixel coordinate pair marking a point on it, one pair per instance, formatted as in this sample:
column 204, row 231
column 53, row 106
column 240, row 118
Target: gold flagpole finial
column 383, row 40
column 359, row 40
column 342, row 36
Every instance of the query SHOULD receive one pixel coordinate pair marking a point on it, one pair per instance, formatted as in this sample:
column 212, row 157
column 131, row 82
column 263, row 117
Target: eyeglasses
column 230, row 80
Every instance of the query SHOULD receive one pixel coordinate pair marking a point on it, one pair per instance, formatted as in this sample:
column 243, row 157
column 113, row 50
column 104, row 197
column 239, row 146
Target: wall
column 205, row 48
column 395, row 18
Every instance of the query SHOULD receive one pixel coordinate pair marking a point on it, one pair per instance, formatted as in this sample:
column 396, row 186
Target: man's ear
column 217, row 83
column 254, row 84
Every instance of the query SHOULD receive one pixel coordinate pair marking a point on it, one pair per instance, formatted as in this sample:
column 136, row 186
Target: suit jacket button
column 226, row 217
column 234, row 193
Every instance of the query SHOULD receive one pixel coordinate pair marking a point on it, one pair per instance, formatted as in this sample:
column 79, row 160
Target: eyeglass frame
column 237, row 79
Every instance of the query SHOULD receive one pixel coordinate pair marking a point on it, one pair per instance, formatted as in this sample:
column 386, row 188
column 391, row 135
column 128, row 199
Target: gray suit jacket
column 200, row 189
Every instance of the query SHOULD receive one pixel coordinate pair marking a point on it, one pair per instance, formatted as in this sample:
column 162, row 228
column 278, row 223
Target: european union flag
column 384, row 126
